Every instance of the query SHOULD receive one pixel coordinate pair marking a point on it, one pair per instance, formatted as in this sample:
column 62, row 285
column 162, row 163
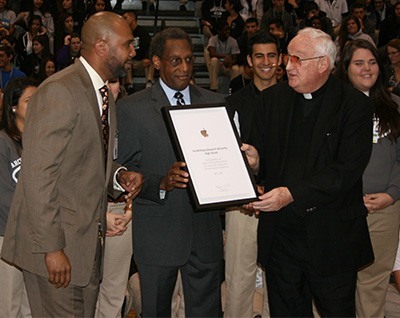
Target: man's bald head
column 107, row 44
column 101, row 26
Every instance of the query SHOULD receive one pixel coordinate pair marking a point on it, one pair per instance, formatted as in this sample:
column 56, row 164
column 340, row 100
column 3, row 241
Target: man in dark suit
column 168, row 235
column 316, row 135
column 56, row 227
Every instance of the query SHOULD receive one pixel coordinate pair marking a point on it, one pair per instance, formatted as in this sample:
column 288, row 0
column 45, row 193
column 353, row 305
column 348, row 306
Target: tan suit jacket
column 61, row 193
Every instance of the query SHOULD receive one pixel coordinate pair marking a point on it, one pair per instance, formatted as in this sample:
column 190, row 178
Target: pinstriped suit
column 165, row 232
column 61, row 193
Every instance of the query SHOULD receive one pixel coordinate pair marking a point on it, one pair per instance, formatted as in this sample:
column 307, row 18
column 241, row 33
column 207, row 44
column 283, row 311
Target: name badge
column 375, row 131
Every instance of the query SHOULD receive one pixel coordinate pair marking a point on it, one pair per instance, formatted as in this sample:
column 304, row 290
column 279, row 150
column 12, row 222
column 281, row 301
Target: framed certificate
column 205, row 138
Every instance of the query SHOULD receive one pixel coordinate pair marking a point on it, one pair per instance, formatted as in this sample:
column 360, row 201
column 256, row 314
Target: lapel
column 158, row 101
column 329, row 107
column 111, row 137
column 94, row 106
column 159, row 98
column 195, row 95
column 89, row 91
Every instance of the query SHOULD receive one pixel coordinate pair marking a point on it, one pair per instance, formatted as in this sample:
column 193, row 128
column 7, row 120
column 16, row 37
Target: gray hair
column 323, row 43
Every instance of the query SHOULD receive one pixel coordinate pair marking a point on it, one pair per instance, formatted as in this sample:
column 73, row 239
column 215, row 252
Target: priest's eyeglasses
column 296, row 60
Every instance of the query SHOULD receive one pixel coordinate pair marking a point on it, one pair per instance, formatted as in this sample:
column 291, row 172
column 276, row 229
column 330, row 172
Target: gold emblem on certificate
column 204, row 133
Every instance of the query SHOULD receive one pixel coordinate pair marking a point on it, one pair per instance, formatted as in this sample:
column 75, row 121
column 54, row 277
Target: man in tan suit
column 56, row 227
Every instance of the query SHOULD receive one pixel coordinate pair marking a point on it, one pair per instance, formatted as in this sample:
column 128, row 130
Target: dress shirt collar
column 97, row 81
column 171, row 92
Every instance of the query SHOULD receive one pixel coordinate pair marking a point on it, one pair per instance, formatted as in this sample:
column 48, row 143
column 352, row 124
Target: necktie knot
column 179, row 98
column 104, row 96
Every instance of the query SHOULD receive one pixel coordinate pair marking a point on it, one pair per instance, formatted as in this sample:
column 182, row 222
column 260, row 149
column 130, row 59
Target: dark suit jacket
column 164, row 231
column 330, row 195
column 61, row 192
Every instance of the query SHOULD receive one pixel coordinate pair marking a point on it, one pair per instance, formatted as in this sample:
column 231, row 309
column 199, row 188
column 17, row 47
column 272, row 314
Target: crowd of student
column 374, row 21
column 38, row 31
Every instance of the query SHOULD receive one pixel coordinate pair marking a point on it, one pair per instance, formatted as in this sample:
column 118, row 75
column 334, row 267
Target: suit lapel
column 159, row 98
column 195, row 95
column 90, row 93
column 94, row 106
column 111, row 137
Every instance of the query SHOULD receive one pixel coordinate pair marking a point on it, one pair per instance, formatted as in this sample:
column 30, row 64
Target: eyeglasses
column 392, row 53
column 294, row 59
column 175, row 61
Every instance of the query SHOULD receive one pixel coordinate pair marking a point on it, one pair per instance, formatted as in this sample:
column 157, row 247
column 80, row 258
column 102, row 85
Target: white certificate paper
column 207, row 141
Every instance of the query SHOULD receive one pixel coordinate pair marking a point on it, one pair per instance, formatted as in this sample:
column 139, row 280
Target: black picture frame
column 169, row 112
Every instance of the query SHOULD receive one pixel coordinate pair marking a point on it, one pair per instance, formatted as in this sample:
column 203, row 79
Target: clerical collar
column 307, row 96
column 319, row 92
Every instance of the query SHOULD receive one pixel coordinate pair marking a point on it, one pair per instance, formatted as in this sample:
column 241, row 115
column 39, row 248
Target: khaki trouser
column 372, row 282
column 216, row 69
column 241, row 265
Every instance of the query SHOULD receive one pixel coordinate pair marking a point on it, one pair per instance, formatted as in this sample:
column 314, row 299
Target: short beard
column 116, row 69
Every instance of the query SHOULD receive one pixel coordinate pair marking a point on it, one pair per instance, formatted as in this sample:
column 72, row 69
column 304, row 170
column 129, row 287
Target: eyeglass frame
column 298, row 59
column 188, row 60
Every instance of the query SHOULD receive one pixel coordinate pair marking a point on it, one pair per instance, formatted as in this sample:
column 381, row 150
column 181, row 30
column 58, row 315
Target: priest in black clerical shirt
column 315, row 142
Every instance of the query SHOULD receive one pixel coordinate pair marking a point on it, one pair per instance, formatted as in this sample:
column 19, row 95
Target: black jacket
column 329, row 196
